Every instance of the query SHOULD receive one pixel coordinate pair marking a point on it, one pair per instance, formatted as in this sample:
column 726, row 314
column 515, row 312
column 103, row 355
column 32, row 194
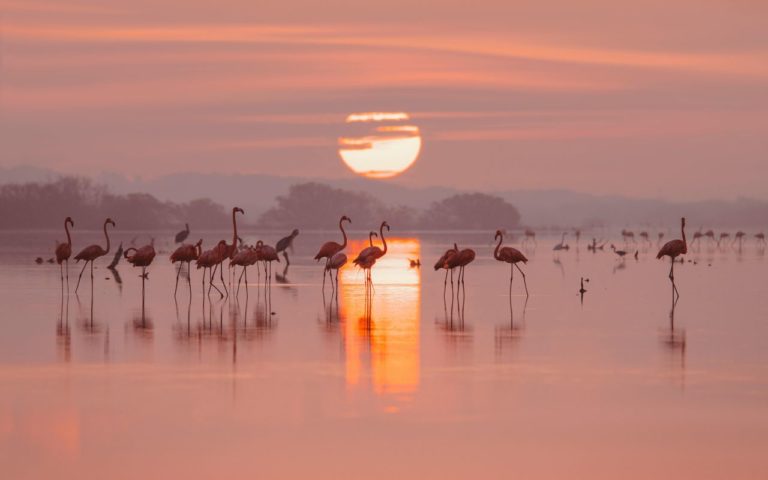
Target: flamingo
column 710, row 235
column 442, row 262
column 697, row 237
column 644, row 236
column 661, row 237
column 209, row 259
column 464, row 258
column 739, row 237
column 562, row 245
column 284, row 243
column 268, row 254
column 723, row 236
column 335, row 263
column 673, row 249
column 186, row 253
column 329, row 249
column 530, row 235
column 142, row 257
column 620, row 253
column 92, row 252
column 760, row 237
column 64, row 250
column 512, row 256
column 373, row 251
column 182, row 235
column 369, row 251
column 245, row 257
column 626, row 234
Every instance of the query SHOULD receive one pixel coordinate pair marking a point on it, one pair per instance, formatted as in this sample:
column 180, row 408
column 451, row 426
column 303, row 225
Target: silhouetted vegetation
column 45, row 205
column 314, row 205
column 471, row 211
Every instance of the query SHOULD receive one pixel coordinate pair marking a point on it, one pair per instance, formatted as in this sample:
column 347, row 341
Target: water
column 411, row 386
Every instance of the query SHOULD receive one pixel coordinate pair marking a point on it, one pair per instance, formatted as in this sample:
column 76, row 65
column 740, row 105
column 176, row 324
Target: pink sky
column 650, row 98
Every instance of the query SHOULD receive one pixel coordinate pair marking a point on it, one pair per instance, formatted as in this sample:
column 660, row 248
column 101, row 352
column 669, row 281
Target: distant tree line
column 318, row 206
column 45, row 205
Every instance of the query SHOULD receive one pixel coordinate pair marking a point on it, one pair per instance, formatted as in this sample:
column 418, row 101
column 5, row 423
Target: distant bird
column 594, row 247
column 329, row 249
column 661, row 237
column 637, row 253
column 64, row 250
column 335, row 263
column 620, row 253
column 739, row 237
column 644, row 236
column 760, row 238
column 186, row 253
column 285, row 243
column 673, row 249
column 627, row 235
column 577, row 233
column 562, row 245
column 530, row 235
column 209, row 260
column 512, row 256
column 723, row 236
column 182, row 235
column 582, row 290
column 710, row 235
column 697, row 237
column 443, row 261
column 92, row 252
column 415, row 263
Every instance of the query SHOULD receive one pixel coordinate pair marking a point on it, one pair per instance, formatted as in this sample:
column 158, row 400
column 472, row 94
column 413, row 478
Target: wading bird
column 363, row 258
column 673, row 249
column 710, row 234
column 141, row 257
column 442, row 262
column 723, row 236
column 620, row 253
column 628, row 235
column 739, row 237
column 92, row 252
column 335, row 263
column 285, row 243
column 367, row 250
column 186, row 253
column 373, row 252
column 182, row 235
column 512, row 256
column 64, row 250
column 644, row 235
column 208, row 260
column 329, row 249
column 530, row 236
column 268, row 254
column 464, row 258
column 760, row 238
column 562, row 245
column 245, row 257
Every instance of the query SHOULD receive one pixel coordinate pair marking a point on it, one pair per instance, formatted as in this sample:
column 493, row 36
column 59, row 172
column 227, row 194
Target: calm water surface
column 405, row 384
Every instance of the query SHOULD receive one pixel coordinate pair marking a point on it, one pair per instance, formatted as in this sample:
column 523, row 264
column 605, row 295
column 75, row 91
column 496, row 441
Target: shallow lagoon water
column 297, row 384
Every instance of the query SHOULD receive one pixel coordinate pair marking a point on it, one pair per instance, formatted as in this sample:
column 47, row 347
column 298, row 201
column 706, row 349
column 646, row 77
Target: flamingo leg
column 285, row 255
column 672, row 277
column 221, row 275
column 178, row 272
column 511, row 276
column 81, row 276
column 67, row 261
column 524, row 282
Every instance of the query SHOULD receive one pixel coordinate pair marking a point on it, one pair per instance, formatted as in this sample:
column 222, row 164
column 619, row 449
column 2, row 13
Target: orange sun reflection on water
column 390, row 334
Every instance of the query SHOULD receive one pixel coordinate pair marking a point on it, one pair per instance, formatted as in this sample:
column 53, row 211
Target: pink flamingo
column 362, row 259
column 443, row 262
column 92, row 252
column 186, row 253
column 335, row 263
column 143, row 258
column 329, row 249
column 464, row 258
column 209, row 259
column 673, row 249
column 512, row 256
column 64, row 250
column 245, row 258
column 373, row 252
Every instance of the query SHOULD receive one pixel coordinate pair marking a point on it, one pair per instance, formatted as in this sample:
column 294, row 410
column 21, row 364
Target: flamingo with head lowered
column 92, row 252
column 673, row 249
column 186, row 253
column 372, row 253
column 64, row 250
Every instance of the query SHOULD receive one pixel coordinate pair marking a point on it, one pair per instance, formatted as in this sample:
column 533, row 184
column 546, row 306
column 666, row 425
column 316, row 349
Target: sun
column 380, row 144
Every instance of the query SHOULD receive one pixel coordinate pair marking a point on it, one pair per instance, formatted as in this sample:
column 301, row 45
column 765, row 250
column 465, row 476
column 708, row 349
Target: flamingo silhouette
column 208, row 260
column 443, row 261
column 92, row 252
column 64, row 250
column 512, row 256
column 329, row 249
column 186, row 253
column 673, row 249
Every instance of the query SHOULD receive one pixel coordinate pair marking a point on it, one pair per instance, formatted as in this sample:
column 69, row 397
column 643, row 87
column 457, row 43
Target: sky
column 646, row 99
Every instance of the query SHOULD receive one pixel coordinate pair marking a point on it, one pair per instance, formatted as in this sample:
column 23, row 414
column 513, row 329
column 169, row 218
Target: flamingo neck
column 66, row 229
column 370, row 238
column 496, row 250
column 343, row 233
column 383, row 240
column 234, row 228
column 685, row 242
column 106, row 235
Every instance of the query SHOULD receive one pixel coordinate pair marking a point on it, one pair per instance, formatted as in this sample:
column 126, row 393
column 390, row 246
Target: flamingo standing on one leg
column 186, row 253
column 92, row 252
column 673, row 249
column 64, row 251
column 143, row 258
column 285, row 243
column 329, row 249
column 512, row 256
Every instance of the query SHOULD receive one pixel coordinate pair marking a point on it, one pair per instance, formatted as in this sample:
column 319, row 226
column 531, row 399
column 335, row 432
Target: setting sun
column 383, row 150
